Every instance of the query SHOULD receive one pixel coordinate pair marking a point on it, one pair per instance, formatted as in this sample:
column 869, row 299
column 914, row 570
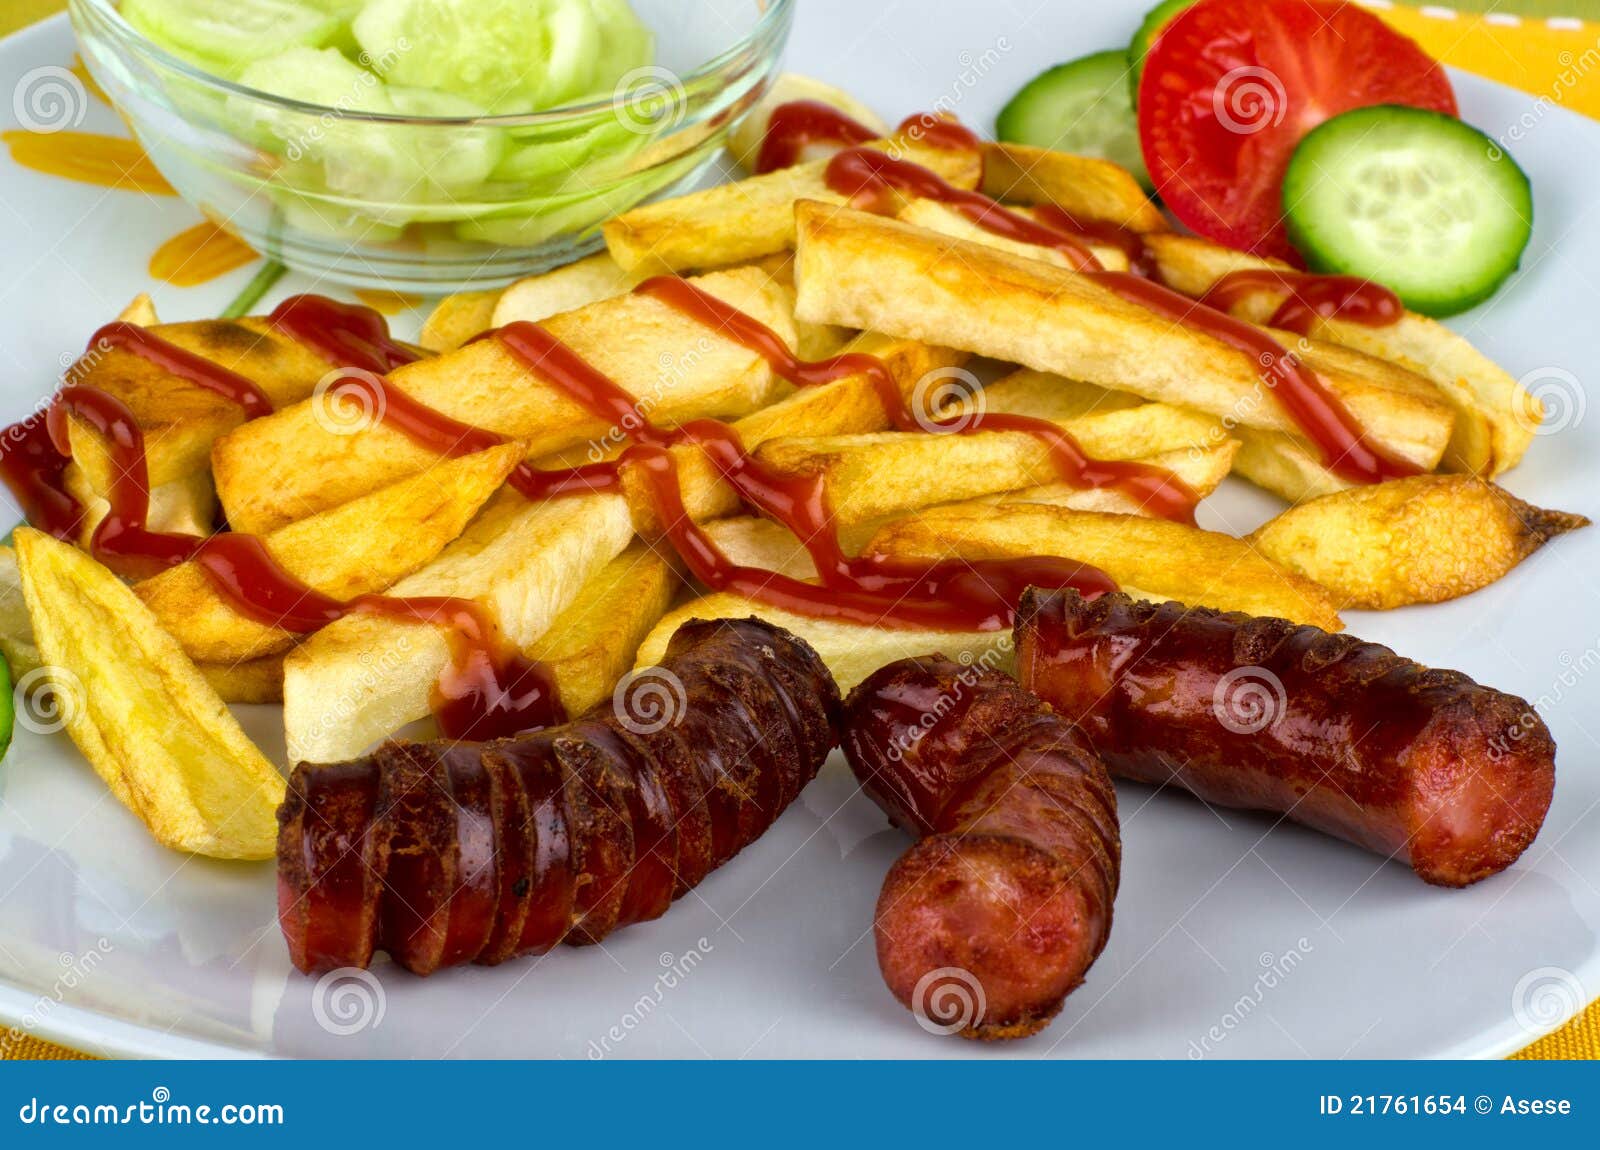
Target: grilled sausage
column 1422, row 765
column 985, row 925
column 447, row 853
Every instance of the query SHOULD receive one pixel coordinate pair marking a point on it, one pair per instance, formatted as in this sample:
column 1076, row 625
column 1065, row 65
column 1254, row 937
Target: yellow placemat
column 1550, row 57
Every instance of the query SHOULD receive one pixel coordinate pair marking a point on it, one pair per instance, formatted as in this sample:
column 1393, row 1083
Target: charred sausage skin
column 1423, row 765
column 448, row 853
column 1010, row 889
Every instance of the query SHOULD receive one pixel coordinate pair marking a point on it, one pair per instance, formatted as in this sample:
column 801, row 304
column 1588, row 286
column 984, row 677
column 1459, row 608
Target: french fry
column 181, row 420
column 140, row 310
column 592, row 644
column 1495, row 416
column 364, row 677
column 312, row 456
column 872, row 476
column 1160, row 558
column 936, row 217
column 353, row 549
column 1047, row 396
column 746, row 138
column 141, row 713
column 1419, row 540
column 1202, row 469
column 252, row 681
column 184, row 506
column 16, row 628
column 850, row 651
column 457, row 318
column 745, row 220
column 1090, row 189
column 1283, row 465
column 565, row 289
column 846, row 405
column 861, row 270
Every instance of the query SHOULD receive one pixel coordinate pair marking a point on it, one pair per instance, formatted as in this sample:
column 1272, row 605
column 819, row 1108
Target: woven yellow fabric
column 1544, row 56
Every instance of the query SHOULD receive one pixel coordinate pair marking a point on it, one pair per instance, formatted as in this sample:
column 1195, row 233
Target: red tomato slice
column 1231, row 86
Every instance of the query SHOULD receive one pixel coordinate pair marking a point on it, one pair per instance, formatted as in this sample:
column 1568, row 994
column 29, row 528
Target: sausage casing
column 446, row 853
column 1346, row 736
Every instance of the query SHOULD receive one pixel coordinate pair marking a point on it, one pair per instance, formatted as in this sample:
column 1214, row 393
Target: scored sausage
column 446, row 853
column 985, row 925
column 1346, row 736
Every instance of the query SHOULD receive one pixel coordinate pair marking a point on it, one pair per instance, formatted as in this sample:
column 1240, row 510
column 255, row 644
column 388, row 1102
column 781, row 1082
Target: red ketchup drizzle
column 345, row 334
column 798, row 124
column 957, row 595
column 121, row 540
column 1309, row 298
column 1164, row 493
column 33, row 470
column 488, row 691
column 863, row 174
column 943, row 132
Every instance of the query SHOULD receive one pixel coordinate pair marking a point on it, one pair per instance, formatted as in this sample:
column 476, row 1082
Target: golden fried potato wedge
column 592, row 644
column 565, row 289
column 936, row 217
column 880, row 474
column 252, row 681
column 144, row 717
column 862, row 270
column 457, row 318
column 850, row 650
column 180, row 419
column 319, row 453
column 185, row 506
column 365, row 677
column 1201, row 468
column 747, row 219
column 1419, row 540
column 1163, row 559
column 1089, row 188
column 140, row 310
column 1495, row 416
column 353, row 549
column 746, row 138
column 1045, row 395
column 846, row 405
column 16, row 627
column 1283, row 465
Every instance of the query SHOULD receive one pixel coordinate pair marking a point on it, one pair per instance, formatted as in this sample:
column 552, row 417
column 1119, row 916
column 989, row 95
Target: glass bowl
column 428, row 203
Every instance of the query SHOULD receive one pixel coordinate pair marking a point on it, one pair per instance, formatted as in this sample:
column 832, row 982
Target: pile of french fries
column 587, row 585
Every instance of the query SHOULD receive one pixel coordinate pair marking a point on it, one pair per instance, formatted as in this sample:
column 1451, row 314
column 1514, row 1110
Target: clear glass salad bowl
column 435, row 203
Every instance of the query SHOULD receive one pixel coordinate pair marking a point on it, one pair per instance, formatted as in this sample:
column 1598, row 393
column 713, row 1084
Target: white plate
column 1286, row 943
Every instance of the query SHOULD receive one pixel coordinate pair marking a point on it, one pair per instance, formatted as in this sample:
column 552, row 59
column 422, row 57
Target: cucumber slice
column 1081, row 106
column 7, row 716
column 508, row 55
column 454, row 162
column 1154, row 20
column 1415, row 200
column 224, row 38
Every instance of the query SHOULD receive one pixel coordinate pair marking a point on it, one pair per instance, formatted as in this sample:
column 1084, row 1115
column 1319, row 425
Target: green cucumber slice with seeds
column 1415, row 200
column 1081, row 106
